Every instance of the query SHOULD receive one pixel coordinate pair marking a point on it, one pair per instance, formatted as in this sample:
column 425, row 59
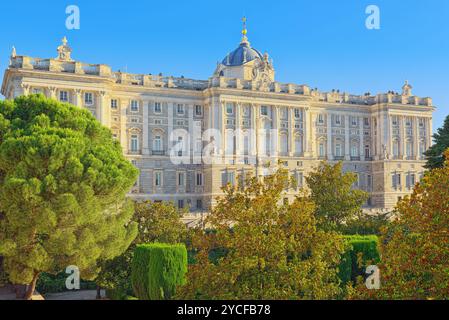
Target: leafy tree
column 334, row 196
column 366, row 224
column 63, row 182
column 270, row 250
column 157, row 222
column 415, row 247
column 434, row 155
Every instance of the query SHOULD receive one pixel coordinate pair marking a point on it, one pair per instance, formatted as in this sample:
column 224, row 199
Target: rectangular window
column 158, row 179
column 199, row 204
column 198, row 110
column 180, row 109
column 114, row 104
column 181, row 179
column 157, row 107
column 199, row 179
column 366, row 122
column 88, row 98
column 134, row 143
column 264, row 110
column 354, row 121
column 337, row 120
column 134, row 105
column 395, row 120
column 229, row 108
column 320, row 119
column 297, row 113
column 63, row 96
column 181, row 204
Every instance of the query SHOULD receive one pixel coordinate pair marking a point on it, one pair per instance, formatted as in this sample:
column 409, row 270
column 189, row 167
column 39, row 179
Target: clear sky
column 322, row 43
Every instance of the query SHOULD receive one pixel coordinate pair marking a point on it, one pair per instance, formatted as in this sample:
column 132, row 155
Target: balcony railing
column 158, row 153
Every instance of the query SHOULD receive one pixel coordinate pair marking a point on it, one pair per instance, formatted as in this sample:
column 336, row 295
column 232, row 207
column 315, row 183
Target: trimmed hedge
column 157, row 269
column 351, row 266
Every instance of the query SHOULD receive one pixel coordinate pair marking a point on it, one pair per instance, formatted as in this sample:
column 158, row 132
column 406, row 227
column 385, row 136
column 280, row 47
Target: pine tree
column 63, row 183
column 435, row 157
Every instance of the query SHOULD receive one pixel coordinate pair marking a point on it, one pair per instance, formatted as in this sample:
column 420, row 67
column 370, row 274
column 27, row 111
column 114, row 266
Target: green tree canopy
column 63, row 182
column 434, row 155
column 415, row 247
column 334, row 195
column 270, row 249
column 157, row 222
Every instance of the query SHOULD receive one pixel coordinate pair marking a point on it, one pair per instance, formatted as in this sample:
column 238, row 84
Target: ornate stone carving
column 64, row 51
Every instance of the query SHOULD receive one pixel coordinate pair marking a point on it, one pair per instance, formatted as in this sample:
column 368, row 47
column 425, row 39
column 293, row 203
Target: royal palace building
column 190, row 137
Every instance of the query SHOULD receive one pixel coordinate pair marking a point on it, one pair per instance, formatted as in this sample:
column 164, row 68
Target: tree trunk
column 31, row 287
column 98, row 293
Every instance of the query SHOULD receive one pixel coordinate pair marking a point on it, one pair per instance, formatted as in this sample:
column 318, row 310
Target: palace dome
column 243, row 54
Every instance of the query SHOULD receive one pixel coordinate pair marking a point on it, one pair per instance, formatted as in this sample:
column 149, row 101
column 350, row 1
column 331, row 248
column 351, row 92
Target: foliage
column 273, row 250
column 48, row 283
column 157, row 222
column 366, row 224
column 362, row 252
column 334, row 196
column 415, row 247
column 157, row 270
column 63, row 182
column 434, row 155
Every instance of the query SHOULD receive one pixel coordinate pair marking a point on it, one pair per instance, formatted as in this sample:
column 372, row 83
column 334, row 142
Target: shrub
column 157, row 269
column 363, row 251
column 48, row 283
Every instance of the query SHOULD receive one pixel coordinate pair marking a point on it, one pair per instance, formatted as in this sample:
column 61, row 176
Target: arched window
column 322, row 149
column 409, row 148
column 134, row 144
column 422, row 148
column 298, row 144
column 284, row 144
column 354, row 150
column 338, row 149
column 396, row 148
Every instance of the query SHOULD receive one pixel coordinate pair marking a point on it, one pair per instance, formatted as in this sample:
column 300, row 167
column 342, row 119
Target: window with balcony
column 157, row 144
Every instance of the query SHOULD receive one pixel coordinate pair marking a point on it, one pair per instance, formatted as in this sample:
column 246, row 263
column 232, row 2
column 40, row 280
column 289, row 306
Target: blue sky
column 322, row 43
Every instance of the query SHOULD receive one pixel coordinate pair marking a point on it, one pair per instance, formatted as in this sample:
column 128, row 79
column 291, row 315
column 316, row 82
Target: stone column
column 429, row 128
column 313, row 145
column 330, row 156
column 78, row 98
column 223, row 128
column 101, row 108
column 291, row 132
column 191, row 142
column 145, row 128
column 25, row 89
column 123, row 120
column 347, row 144
column 305, row 135
column 238, row 128
column 170, row 110
column 254, row 131
column 52, row 93
column 402, row 135
column 361, row 142
column 275, row 132
column 415, row 151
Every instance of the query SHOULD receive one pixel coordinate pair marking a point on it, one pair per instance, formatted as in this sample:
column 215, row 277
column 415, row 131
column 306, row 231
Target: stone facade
column 259, row 124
